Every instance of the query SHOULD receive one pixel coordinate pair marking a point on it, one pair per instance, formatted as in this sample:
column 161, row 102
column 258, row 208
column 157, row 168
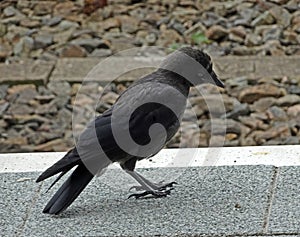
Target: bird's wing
column 130, row 119
column 96, row 144
column 149, row 114
column 141, row 108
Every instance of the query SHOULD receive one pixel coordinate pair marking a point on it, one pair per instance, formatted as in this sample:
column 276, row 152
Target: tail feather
column 70, row 160
column 69, row 191
column 58, row 178
column 74, row 185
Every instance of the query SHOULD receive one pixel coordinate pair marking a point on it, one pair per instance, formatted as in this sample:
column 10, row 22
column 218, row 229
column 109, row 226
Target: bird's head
column 194, row 65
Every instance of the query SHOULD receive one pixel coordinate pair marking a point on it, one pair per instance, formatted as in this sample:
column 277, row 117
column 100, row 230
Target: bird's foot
column 152, row 193
column 160, row 190
column 157, row 186
column 167, row 185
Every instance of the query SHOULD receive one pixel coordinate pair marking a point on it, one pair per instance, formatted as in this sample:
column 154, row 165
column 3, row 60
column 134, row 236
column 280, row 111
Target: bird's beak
column 217, row 81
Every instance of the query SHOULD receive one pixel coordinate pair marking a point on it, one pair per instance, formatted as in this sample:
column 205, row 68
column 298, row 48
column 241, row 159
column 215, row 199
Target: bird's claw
column 137, row 188
column 153, row 193
column 160, row 186
column 168, row 185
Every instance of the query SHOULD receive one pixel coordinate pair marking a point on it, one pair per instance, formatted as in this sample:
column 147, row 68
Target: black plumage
column 125, row 133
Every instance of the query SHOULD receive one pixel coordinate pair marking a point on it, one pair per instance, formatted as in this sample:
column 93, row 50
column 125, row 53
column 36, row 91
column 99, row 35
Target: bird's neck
column 175, row 80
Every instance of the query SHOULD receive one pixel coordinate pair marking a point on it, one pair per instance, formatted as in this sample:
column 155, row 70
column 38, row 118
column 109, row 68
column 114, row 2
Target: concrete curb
column 76, row 69
column 277, row 156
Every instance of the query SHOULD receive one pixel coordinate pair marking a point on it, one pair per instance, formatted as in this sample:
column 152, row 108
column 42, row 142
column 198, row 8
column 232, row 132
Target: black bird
column 142, row 120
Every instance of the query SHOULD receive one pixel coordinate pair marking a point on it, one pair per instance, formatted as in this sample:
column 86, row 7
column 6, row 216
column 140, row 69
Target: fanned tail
column 69, row 191
column 72, row 187
column 70, row 160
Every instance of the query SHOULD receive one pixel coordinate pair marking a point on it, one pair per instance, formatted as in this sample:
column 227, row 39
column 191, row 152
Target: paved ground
column 252, row 200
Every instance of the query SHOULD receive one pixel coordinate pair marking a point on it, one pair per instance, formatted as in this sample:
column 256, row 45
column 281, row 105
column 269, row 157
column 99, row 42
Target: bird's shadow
column 111, row 206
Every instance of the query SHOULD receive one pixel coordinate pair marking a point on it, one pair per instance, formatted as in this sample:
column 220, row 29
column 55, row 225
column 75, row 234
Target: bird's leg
column 149, row 187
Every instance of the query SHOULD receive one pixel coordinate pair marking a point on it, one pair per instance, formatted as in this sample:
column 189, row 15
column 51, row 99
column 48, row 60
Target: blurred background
column 47, row 47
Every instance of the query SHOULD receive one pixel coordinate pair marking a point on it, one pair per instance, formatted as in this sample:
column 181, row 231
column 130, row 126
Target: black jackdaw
column 142, row 120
